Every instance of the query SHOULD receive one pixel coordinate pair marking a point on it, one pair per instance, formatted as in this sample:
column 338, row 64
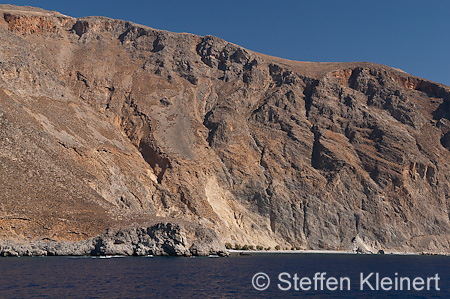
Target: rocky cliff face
column 106, row 124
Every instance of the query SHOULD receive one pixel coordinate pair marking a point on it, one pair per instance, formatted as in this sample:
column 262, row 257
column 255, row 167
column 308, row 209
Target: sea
column 247, row 276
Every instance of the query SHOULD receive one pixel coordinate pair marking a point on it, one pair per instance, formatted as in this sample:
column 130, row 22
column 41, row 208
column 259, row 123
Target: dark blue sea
column 208, row 277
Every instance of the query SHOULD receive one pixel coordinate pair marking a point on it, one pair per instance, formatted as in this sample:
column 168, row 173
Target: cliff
column 106, row 124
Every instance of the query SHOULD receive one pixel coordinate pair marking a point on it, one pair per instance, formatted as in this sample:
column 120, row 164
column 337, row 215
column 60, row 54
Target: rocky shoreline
column 161, row 239
column 233, row 252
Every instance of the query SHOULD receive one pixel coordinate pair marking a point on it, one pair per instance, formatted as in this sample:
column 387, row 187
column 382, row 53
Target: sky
column 411, row 35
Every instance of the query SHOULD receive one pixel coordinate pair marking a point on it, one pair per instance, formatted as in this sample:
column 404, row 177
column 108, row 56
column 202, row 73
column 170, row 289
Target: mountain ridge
column 120, row 124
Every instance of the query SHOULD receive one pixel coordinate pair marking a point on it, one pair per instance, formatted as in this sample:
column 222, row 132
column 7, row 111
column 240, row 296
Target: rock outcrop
column 105, row 123
column 158, row 239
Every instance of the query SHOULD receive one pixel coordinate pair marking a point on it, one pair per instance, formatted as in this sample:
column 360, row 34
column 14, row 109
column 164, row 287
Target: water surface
column 163, row 277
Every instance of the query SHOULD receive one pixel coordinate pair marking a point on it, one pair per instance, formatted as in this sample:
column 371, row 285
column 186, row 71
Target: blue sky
column 410, row 35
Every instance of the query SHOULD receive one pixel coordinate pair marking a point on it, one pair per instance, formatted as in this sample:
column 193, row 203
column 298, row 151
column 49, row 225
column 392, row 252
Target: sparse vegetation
column 228, row 245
